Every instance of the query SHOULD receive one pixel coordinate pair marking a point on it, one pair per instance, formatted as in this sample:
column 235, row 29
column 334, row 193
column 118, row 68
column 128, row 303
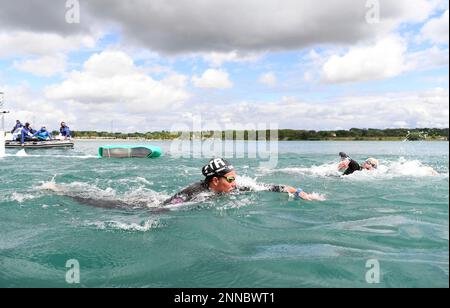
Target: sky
column 150, row 65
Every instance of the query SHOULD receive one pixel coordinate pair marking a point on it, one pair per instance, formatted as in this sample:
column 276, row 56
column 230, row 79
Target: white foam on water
column 329, row 169
column 80, row 190
column 143, row 180
column 237, row 202
column 397, row 169
column 51, row 186
column 145, row 196
column 21, row 153
column 144, row 226
column 136, row 180
column 413, row 168
column 204, row 198
column 317, row 197
column 400, row 168
column 251, row 183
column 69, row 156
column 254, row 185
column 313, row 196
column 77, row 189
column 138, row 197
column 21, row 197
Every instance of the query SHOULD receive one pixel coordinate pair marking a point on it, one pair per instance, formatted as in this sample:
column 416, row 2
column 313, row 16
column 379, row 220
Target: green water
column 397, row 215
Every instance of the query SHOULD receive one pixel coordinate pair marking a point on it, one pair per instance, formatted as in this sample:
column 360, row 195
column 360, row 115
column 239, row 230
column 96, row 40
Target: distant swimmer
column 220, row 178
column 349, row 165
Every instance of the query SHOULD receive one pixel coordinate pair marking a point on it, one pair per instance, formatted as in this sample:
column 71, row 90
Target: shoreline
column 393, row 139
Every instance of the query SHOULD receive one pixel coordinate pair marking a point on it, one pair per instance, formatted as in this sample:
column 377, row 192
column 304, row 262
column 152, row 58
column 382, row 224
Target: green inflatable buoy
column 129, row 151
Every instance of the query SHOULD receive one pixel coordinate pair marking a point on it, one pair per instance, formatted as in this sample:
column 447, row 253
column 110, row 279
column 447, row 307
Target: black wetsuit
column 352, row 167
column 194, row 190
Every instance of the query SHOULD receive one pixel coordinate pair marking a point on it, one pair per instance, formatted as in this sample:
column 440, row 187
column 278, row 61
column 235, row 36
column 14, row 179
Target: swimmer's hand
column 299, row 193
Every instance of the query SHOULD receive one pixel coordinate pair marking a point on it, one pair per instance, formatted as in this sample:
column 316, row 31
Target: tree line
column 282, row 134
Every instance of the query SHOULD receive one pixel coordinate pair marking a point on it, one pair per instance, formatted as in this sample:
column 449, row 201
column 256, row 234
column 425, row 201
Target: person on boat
column 26, row 134
column 220, row 178
column 65, row 131
column 16, row 127
column 43, row 134
column 350, row 165
column 32, row 130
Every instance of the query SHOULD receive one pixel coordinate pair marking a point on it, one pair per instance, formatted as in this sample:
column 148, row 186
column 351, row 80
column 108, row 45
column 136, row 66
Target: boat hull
column 39, row 144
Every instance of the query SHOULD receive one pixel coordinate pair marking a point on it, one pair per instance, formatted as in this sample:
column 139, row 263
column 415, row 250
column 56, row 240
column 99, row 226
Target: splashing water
column 255, row 186
column 251, row 183
column 136, row 198
column 414, row 168
column 324, row 170
column 144, row 226
column 22, row 153
column 20, row 198
column 400, row 168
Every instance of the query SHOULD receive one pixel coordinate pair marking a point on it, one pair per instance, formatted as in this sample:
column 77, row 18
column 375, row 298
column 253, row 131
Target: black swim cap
column 343, row 155
column 217, row 166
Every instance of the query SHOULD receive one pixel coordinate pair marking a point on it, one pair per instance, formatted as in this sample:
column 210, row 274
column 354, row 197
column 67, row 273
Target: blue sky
column 299, row 64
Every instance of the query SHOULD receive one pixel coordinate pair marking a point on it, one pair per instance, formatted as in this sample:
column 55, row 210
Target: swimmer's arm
column 299, row 193
column 343, row 164
column 282, row 189
column 178, row 198
column 272, row 188
column 291, row 190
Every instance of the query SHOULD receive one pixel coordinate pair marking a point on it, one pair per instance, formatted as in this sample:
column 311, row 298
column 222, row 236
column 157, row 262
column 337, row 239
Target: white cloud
column 45, row 66
column 427, row 59
column 386, row 58
column 23, row 43
column 268, row 79
column 407, row 10
column 404, row 109
column 308, row 76
column 216, row 59
column 212, row 79
column 383, row 60
column 249, row 26
column 441, row 80
column 175, row 80
column 437, row 29
column 221, row 26
column 111, row 80
column 27, row 105
column 420, row 109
